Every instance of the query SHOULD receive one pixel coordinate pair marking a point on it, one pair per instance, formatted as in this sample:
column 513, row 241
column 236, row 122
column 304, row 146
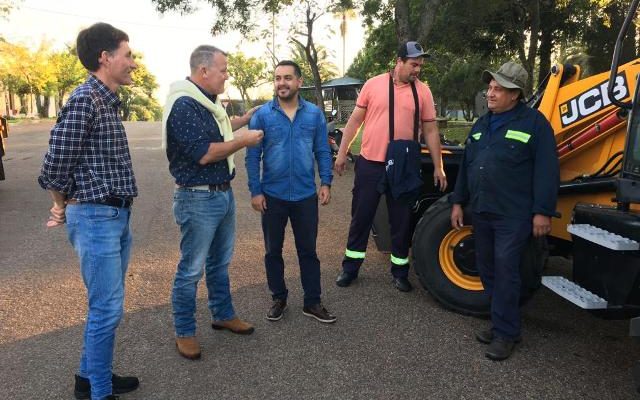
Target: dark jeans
column 363, row 209
column 500, row 242
column 304, row 222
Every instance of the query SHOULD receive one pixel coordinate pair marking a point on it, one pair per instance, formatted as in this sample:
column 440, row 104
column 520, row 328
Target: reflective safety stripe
column 477, row 135
column 354, row 254
column 517, row 135
column 399, row 261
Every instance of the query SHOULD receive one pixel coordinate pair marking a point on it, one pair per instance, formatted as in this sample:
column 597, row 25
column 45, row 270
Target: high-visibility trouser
column 363, row 209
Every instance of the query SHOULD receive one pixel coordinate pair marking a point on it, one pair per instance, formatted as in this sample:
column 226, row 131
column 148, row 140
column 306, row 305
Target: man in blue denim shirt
column 88, row 172
column 295, row 135
column 200, row 146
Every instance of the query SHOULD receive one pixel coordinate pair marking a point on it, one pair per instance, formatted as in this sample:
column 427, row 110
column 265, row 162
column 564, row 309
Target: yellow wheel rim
column 448, row 264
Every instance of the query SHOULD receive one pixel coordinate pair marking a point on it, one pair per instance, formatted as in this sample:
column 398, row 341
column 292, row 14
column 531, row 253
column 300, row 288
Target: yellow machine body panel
column 574, row 107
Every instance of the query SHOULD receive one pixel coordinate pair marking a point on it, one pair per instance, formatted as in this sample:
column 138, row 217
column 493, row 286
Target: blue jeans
column 304, row 222
column 101, row 237
column 207, row 223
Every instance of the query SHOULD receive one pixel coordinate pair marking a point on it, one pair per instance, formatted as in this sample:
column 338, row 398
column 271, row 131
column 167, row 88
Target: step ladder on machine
column 574, row 292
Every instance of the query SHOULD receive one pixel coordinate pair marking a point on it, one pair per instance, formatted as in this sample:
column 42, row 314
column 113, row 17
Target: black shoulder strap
column 416, row 114
column 391, row 104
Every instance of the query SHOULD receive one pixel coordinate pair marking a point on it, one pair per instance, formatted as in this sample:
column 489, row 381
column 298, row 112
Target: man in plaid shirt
column 88, row 172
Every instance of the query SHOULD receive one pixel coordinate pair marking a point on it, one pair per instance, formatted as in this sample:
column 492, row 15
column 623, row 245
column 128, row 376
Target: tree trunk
column 12, row 102
column 403, row 25
column 427, row 16
column 312, row 56
column 404, row 31
column 546, row 39
column 528, row 58
column 46, row 103
column 534, row 11
column 7, row 103
column 61, row 94
column 42, row 105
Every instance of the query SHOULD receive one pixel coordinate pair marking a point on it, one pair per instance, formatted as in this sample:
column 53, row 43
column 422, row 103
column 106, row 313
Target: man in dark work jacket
column 509, row 177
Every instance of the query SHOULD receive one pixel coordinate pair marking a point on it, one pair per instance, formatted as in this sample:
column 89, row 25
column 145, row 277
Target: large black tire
column 444, row 260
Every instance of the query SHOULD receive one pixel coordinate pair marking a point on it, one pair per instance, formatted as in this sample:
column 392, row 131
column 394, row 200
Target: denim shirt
column 510, row 168
column 287, row 152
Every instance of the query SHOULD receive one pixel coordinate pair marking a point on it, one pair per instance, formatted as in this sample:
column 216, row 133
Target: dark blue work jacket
column 511, row 170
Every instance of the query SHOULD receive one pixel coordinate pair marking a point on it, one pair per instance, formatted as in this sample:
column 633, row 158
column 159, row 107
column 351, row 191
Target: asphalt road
column 385, row 345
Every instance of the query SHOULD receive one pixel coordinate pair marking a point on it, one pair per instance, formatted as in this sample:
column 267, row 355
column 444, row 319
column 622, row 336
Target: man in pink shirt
column 372, row 109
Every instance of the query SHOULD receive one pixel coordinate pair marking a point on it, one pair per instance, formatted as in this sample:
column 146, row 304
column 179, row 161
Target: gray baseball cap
column 510, row 75
column 411, row 50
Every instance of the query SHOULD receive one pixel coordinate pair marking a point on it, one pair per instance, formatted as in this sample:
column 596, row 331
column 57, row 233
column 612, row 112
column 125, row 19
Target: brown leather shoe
column 235, row 325
column 188, row 347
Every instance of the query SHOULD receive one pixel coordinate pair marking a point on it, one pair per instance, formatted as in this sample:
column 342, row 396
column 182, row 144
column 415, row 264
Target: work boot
column 235, row 325
column 402, row 284
column 188, row 347
column 119, row 385
column 486, row 337
column 345, row 279
column 500, row 349
column 277, row 310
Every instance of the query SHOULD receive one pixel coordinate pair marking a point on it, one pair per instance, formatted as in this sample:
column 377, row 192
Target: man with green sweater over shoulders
column 200, row 143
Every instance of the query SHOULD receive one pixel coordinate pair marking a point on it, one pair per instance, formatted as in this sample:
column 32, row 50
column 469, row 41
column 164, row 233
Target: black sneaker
column 120, row 384
column 277, row 310
column 500, row 349
column 320, row 313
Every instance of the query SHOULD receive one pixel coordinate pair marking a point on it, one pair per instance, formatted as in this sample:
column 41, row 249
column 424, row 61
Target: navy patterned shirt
column 88, row 157
column 190, row 130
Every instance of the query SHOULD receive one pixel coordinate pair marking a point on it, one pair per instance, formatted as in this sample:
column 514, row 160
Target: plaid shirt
column 88, row 157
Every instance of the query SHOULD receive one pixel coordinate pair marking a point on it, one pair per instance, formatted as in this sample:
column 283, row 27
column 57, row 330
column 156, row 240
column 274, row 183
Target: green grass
column 456, row 131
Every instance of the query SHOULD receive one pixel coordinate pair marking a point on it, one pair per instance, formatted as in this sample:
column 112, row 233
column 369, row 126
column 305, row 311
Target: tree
column 68, row 73
column 326, row 68
column 463, row 84
column 414, row 19
column 604, row 19
column 6, row 6
column 345, row 12
column 241, row 15
column 379, row 51
column 137, row 100
column 24, row 72
column 246, row 73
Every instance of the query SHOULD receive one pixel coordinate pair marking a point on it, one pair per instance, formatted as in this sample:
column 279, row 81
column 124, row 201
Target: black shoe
column 277, row 310
column 112, row 397
column 500, row 349
column 119, row 384
column 402, row 284
column 487, row 336
column 320, row 313
column 345, row 279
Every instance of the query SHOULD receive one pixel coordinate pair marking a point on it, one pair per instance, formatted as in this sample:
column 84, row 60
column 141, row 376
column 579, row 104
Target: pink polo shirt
column 374, row 97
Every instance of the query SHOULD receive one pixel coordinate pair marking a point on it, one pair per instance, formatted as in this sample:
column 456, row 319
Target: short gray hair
column 203, row 55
